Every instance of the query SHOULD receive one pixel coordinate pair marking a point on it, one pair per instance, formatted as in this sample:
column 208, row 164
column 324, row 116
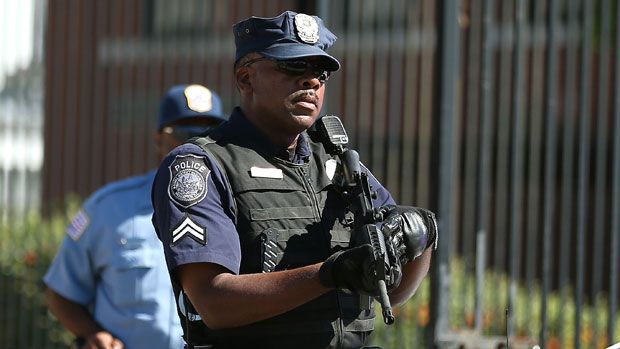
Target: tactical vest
column 288, row 216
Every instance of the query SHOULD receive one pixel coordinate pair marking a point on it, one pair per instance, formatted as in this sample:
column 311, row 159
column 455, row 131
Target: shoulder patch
column 188, row 180
column 78, row 225
column 187, row 227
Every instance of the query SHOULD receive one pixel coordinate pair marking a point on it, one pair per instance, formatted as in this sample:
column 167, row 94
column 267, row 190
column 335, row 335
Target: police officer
column 108, row 284
column 255, row 234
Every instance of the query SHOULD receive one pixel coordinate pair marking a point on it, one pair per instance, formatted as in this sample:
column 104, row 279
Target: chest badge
column 330, row 168
column 261, row 172
column 188, row 180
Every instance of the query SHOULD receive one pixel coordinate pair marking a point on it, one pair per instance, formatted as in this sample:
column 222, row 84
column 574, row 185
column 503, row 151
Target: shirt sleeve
column 71, row 273
column 194, row 214
column 383, row 195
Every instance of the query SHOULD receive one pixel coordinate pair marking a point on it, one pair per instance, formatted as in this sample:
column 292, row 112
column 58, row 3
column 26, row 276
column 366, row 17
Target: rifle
column 358, row 195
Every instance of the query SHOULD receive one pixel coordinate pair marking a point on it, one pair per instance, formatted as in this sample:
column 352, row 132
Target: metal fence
column 502, row 116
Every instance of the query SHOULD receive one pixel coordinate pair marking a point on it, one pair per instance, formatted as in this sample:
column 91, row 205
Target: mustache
column 305, row 96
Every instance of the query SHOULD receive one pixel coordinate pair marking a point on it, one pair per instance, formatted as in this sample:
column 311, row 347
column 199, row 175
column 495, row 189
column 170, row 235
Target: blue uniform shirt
column 112, row 262
column 211, row 218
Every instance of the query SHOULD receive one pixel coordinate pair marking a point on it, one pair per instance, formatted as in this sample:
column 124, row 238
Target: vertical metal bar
column 550, row 164
column 351, row 70
column 502, row 153
column 499, row 209
column 567, row 213
column 379, row 90
column 470, row 169
column 322, row 10
column 481, row 252
column 410, row 99
column 428, row 74
column 516, row 162
column 615, row 199
column 584, row 163
column 484, row 150
column 535, row 153
column 600, row 176
column 367, row 61
column 394, row 99
column 447, row 72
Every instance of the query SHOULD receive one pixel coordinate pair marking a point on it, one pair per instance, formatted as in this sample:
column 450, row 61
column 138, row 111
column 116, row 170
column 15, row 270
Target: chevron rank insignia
column 187, row 227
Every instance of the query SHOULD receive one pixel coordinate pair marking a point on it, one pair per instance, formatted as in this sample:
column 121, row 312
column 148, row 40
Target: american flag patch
column 78, row 225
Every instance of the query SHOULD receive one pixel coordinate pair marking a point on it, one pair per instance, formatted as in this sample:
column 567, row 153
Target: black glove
column 353, row 269
column 394, row 274
column 411, row 230
column 350, row 269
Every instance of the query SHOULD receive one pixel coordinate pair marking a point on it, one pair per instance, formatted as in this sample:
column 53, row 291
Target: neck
column 277, row 136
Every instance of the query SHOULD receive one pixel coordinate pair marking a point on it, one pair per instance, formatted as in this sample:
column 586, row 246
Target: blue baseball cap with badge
column 290, row 35
column 190, row 102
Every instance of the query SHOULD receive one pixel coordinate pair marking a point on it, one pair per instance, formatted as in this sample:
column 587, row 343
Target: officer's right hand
column 103, row 340
column 350, row 269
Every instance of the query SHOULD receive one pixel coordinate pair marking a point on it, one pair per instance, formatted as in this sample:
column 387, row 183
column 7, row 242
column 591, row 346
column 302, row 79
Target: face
column 174, row 135
column 286, row 97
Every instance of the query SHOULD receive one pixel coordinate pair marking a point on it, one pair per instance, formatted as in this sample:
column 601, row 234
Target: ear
column 157, row 141
column 243, row 81
column 164, row 143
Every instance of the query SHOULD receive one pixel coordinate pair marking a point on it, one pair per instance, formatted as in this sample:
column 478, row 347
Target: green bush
column 29, row 244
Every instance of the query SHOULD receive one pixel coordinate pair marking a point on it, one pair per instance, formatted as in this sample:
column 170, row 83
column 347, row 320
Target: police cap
column 189, row 102
column 290, row 35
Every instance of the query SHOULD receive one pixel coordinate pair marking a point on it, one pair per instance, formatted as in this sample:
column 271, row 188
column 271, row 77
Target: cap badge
column 199, row 98
column 307, row 28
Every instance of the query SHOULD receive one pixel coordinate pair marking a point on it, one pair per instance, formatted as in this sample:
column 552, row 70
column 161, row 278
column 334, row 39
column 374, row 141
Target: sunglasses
column 296, row 67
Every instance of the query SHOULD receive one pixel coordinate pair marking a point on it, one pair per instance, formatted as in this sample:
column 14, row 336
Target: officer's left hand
column 103, row 340
column 411, row 230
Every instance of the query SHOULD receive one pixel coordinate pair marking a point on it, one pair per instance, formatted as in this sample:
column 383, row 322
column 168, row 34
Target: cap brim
column 294, row 50
column 219, row 118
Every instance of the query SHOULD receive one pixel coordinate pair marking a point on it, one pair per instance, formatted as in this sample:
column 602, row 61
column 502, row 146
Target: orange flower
column 30, row 258
column 470, row 320
column 554, row 343
column 586, row 335
column 424, row 315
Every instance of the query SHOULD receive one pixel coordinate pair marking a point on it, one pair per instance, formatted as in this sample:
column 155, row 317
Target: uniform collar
column 244, row 130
